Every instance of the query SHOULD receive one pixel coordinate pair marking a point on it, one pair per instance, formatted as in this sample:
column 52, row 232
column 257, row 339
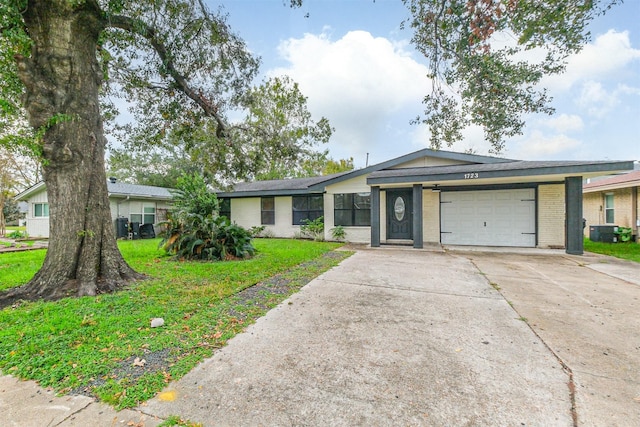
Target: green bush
column 195, row 230
column 338, row 233
column 17, row 234
column 193, row 236
column 313, row 229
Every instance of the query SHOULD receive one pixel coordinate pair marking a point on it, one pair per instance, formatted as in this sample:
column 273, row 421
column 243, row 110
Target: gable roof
column 115, row 189
column 289, row 187
column 630, row 179
column 138, row 191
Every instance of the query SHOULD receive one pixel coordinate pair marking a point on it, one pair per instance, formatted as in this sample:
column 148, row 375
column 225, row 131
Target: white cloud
column 361, row 84
column 596, row 100
column 608, row 54
column 538, row 146
column 564, row 123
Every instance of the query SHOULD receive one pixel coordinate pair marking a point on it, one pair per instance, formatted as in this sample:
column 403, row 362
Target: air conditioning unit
column 603, row 233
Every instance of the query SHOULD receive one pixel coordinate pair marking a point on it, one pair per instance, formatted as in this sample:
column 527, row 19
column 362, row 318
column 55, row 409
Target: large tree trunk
column 62, row 79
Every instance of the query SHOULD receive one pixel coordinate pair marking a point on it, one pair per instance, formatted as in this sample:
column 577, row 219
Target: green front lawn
column 105, row 346
column 628, row 250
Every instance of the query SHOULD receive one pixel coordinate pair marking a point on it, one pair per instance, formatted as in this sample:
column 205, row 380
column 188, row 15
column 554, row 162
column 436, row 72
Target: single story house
column 141, row 204
column 431, row 196
column 613, row 201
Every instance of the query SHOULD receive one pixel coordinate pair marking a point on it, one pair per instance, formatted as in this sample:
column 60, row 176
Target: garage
column 488, row 217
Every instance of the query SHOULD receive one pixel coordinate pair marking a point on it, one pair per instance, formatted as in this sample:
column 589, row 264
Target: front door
column 399, row 214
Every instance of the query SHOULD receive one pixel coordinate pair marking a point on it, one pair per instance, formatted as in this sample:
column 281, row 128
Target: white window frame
column 609, row 207
column 143, row 216
column 44, row 209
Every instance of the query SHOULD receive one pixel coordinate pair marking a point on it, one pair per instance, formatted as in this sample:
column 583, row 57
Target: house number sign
column 471, row 175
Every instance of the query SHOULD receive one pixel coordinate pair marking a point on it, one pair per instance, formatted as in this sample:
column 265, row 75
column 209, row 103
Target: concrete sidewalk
column 390, row 337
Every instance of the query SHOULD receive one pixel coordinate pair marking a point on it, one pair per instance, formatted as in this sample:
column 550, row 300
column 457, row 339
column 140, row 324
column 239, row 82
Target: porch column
column 375, row 216
column 573, row 220
column 417, row 216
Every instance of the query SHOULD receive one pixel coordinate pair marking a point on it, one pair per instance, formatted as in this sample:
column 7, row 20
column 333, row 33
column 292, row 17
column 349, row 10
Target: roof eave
column 549, row 171
column 266, row 193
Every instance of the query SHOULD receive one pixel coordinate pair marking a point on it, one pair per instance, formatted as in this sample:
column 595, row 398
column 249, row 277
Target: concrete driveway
column 587, row 310
column 388, row 338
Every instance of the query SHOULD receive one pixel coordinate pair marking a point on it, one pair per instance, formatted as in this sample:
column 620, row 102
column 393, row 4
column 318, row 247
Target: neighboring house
column 428, row 197
column 613, row 201
column 141, row 204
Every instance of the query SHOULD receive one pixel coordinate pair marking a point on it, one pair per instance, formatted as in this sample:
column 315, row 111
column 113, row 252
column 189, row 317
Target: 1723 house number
column 472, row 175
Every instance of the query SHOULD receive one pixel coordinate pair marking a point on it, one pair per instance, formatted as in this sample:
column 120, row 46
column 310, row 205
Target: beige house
column 143, row 205
column 613, row 201
column 431, row 197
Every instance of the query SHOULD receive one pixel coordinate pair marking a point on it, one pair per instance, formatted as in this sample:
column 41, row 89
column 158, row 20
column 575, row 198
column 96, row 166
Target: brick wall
column 551, row 214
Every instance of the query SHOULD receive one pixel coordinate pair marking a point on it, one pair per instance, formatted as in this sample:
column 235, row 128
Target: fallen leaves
column 139, row 362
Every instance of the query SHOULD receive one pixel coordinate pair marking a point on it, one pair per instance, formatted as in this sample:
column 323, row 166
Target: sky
column 357, row 67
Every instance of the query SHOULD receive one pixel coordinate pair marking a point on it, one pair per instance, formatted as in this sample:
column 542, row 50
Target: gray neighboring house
column 431, row 197
column 143, row 204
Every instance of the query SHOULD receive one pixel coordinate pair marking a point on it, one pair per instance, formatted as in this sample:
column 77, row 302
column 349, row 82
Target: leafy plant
column 624, row 234
column 313, row 229
column 257, row 230
column 193, row 236
column 338, row 233
column 17, row 234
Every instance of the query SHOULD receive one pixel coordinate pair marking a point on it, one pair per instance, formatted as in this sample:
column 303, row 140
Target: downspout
column 634, row 212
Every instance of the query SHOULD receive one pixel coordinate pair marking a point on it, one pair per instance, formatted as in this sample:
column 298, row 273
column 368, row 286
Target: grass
column 90, row 344
column 629, row 250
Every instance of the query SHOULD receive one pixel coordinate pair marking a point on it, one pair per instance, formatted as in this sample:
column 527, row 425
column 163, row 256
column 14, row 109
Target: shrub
column 338, row 233
column 257, row 230
column 205, row 238
column 17, row 234
column 195, row 230
column 313, row 229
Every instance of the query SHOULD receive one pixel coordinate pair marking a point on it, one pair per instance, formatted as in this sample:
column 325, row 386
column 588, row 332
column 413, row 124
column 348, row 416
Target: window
column 608, row 208
column 225, row 207
column 147, row 216
column 268, row 210
column 40, row 210
column 352, row 209
column 307, row 207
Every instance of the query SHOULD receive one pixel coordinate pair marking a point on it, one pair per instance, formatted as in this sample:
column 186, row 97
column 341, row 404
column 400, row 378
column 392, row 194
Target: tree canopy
column 486, row 59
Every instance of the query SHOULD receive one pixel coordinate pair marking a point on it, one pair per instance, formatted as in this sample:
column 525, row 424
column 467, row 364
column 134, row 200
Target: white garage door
column 488, row 218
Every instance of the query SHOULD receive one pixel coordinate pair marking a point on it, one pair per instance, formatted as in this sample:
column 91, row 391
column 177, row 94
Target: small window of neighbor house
column 40, row 210
column 268, row 210
column 608, row 209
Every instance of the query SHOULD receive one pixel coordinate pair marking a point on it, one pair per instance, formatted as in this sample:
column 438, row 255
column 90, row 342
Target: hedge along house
column 432, row 197
column 141, row 204
column 613, row 201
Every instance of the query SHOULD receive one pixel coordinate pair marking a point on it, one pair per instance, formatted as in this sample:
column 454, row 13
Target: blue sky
column 358, row 69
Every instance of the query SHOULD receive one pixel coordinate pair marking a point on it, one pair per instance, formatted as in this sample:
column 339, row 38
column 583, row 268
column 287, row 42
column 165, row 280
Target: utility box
column 122, row 228
column 603, row 233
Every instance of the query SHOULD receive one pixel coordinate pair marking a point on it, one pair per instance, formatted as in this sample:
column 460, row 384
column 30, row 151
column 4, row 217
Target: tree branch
column 148, row 32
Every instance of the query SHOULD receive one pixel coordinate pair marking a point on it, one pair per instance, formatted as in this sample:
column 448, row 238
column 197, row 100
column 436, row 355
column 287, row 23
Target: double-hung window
column 147, row 216
column 268, row 210
column 307, row 208
column 40, row 210
column 352, row 209
column 608, row 209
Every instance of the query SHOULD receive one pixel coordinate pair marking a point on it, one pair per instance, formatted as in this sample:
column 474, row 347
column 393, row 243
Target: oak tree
column 175, row 60
column 486, row 59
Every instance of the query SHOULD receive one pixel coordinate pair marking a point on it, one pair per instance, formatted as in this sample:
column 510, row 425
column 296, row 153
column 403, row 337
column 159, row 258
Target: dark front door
column 399, row 214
